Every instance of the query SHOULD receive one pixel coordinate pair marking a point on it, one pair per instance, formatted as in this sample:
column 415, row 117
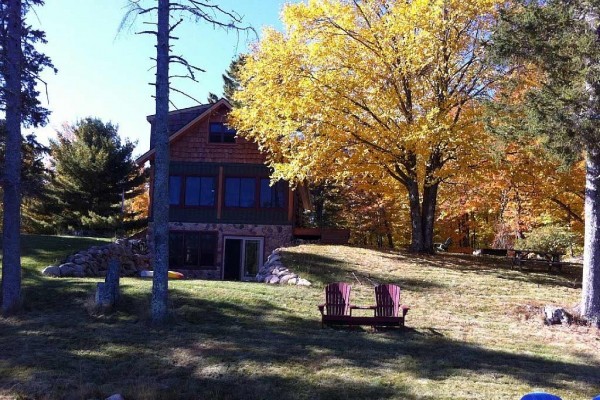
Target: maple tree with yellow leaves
column 377, row 88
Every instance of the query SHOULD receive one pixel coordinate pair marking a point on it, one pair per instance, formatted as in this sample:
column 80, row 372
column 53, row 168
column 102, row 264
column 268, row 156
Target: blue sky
column 105, row 73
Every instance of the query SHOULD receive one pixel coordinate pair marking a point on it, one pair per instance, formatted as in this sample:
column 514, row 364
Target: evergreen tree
column 20, row 66
column 34, row 177
column 33, row 63
column 231, row 82
column 92, row 174
column 558, row 42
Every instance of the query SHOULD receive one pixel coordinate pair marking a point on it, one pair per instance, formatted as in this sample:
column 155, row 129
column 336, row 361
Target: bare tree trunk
column 160, row 283
column 590, row 296
column 11, row 261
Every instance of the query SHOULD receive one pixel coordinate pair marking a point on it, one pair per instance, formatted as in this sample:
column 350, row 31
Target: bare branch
column 185, row 94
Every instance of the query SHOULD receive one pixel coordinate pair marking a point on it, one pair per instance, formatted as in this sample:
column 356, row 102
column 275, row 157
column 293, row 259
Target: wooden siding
column 194, row 146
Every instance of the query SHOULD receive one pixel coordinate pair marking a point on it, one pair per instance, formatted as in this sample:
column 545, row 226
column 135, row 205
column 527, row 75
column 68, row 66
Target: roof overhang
column 149, row 154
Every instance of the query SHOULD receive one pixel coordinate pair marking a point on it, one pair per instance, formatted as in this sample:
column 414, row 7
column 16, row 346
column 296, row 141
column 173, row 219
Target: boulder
column 303, row 282
column 284, row 279
column 51, row 270
column 556, row 315
column 67, row 269
column 273, row 279
column 274, row 257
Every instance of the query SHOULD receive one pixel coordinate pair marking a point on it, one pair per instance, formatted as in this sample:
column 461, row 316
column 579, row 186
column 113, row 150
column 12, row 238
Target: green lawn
column 471, row 334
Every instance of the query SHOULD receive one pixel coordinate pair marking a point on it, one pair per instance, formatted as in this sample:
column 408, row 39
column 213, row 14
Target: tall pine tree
column 559, row 41
column 231, row 82
column 93, row 172
column 167, row 16
column 20, row 66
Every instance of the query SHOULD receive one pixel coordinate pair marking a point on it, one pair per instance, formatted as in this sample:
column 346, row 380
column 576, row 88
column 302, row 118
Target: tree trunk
column 160, row 288
column 428, row 215
column 11, row 261
column 388, row 232
column 422, row 216
column 590, row 296
column 416, row 221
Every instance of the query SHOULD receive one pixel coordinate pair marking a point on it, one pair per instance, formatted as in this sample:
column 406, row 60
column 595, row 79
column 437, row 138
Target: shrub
column 550, row 238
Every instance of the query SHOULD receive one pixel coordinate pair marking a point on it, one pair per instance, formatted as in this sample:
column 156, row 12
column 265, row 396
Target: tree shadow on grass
column 69, row 354
column 237, row 347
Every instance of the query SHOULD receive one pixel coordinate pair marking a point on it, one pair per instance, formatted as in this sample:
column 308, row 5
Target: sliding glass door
column 242, row 257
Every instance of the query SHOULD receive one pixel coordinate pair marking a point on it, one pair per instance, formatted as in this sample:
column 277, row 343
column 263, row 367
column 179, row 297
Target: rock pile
column 273, row 272
column 556, row 315
column 131, row 254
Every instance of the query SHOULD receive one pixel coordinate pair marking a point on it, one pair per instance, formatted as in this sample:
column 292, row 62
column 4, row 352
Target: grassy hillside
column 472, row 333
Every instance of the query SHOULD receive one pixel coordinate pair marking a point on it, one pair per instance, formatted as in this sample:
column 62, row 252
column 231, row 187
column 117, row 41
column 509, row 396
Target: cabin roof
column 180, row 120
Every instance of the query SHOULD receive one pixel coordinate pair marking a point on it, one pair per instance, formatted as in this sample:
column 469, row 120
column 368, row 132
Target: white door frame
column 261, row 251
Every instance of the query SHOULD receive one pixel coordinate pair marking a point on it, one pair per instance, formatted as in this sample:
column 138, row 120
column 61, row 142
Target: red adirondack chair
column 337, row 308
column 388, row 310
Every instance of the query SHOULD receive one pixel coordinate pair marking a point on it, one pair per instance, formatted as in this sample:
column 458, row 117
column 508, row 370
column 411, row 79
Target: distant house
column 224, row 218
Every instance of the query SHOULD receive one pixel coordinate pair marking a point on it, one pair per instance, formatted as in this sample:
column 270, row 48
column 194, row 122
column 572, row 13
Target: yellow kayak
column 170, row 274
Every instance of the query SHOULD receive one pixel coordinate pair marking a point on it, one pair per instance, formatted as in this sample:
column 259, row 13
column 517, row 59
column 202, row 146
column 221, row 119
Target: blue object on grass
column 540, row 396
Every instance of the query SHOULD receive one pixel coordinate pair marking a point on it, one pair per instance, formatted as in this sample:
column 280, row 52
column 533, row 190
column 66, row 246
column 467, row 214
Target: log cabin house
column 224, row 218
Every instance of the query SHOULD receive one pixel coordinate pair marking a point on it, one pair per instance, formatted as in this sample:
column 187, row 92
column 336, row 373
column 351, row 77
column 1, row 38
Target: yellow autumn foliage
column 377, row 87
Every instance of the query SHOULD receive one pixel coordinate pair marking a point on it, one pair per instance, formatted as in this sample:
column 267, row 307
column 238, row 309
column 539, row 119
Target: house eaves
column 150, row 153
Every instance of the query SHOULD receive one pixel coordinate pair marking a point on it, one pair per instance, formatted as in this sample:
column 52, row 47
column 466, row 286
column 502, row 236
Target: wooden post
column 112, row 280
column 220, row 193
column 107, row 292
column 290, row 205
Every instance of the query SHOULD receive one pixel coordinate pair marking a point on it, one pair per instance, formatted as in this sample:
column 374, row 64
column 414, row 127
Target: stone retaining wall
column 274, row 272
column 132, row 255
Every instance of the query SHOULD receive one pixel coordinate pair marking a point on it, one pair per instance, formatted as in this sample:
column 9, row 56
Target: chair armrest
column 404, row 309
column 321, row 308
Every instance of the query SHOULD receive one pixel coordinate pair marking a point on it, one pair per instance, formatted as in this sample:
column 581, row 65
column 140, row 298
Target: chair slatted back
column 387, row 298
column 337, row 298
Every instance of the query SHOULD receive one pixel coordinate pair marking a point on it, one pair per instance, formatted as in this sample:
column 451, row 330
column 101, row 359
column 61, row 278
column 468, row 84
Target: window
column 240, row 192
column 219, row 133
column 192, row 250
column 174, row 190
column 272, row 196
column 199, row 191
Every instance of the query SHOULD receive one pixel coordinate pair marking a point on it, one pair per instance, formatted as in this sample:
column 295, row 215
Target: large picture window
column 192, row 250
column 220, row 133
column 272, row 196
column 199, row 191
column 240, row 192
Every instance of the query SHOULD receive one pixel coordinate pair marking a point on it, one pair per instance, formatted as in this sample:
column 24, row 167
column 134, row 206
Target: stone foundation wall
column 274, row 236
